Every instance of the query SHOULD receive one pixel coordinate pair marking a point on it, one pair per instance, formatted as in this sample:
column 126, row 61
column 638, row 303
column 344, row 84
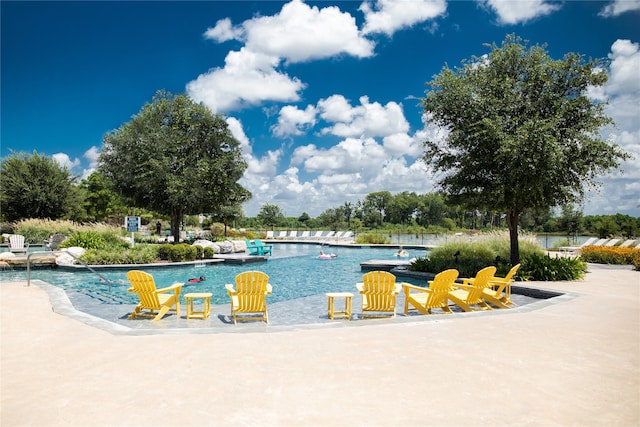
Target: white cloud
column 65, row 161
column 366, row 119
column 248, row 78
column 293, row 121
column 223, row 31
column 625, row 68
column 515, row 12
column 252, row 75
column 620, row 191
column 618, row 7
column 301, row 33
column 389, row 16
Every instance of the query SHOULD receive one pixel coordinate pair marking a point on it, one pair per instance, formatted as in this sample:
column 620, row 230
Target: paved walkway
column 572, row 360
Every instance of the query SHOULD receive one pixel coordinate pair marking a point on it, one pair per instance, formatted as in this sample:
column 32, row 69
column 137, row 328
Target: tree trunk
column 176, row 221
column 513, row 218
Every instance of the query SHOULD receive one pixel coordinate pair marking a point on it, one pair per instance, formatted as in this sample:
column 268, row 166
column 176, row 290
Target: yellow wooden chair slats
column 379, row 292
column 471, row 293
column 435, row 296
column 249, row 296
column 152, row 298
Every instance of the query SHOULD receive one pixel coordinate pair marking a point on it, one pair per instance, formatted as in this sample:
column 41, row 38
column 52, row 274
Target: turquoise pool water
column 294, row 270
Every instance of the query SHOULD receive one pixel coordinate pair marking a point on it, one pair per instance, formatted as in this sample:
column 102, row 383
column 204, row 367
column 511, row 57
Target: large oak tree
column 521, row 131
column 175, row 157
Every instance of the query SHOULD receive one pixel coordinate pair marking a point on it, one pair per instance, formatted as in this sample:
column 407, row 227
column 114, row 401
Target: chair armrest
column 360, row 287
column 468, row 280
column 408, row 287
column 230, row 289
column 398, row 288
column 462, row 286
column 170, row 288
column 269, row 289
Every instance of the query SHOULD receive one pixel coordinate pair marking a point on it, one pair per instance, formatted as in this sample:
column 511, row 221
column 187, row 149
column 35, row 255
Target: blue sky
column 323, row 96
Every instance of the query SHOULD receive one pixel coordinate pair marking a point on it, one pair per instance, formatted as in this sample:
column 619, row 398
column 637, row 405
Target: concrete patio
column 572, row 362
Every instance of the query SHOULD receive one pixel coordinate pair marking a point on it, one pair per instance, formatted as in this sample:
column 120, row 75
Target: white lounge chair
column 627, row 243
column 304, row 235
column 612, row 242
column 588, row 242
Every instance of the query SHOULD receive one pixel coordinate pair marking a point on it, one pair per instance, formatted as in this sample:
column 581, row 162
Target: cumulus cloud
column 367, row 119
column 389, row 16
column 253, row 75
column 248, row 78
column 515, row 12
column 223, row 31
column 300, row 33
column 618, row 7
column 623, row 93
column 293, row 121
column 65, row 161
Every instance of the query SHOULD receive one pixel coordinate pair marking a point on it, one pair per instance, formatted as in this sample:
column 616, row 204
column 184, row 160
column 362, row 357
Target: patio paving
column 571, row 360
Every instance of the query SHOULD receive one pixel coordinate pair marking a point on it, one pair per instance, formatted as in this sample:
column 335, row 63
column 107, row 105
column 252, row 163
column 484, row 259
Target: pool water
column 294, row 270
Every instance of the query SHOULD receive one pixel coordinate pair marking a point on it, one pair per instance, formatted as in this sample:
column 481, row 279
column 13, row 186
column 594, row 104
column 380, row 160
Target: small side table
column 347, row 305
column 206, row 305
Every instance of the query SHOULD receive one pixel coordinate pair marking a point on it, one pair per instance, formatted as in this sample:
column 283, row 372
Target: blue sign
column 132, row 223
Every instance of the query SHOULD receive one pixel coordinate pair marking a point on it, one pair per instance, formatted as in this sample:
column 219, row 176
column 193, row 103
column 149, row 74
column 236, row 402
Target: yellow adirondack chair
column 249, row 297
column 435, row 296
column 151, row 298
column 499, row 291
column 379, row 292
column 472, row 292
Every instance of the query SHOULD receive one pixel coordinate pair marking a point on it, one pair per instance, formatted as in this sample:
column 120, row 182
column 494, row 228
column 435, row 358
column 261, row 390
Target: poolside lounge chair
column 151, row 298
column 435, row 296
column 304, row 235
column 17, row 244
column 627, row 243
column 269, row 234
column 588, row 242
column 612, row 242
column 472, row 292
column 379, row 292
column 249, row 296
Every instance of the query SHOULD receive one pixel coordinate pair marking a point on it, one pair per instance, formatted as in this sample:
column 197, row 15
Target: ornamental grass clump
column 470, row 257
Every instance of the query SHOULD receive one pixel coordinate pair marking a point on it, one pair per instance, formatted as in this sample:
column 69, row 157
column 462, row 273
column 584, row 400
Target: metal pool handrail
column 66, row 252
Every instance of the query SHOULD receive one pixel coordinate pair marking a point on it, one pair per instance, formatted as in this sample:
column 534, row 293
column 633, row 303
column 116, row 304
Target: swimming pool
column 294, row 270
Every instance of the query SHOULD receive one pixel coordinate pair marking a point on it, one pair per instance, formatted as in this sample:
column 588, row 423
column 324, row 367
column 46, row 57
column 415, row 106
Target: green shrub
column 164, row 252
column 545, row 268
column 199, row 252
column 140, row 254
column 86, row 240
column 182, row 252
column 208, row 252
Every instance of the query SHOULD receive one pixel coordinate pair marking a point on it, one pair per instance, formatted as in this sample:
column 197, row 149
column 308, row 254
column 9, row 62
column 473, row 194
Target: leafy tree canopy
column 521, row 131
column 270, row 215
column 36, row 187
column 175, row 157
